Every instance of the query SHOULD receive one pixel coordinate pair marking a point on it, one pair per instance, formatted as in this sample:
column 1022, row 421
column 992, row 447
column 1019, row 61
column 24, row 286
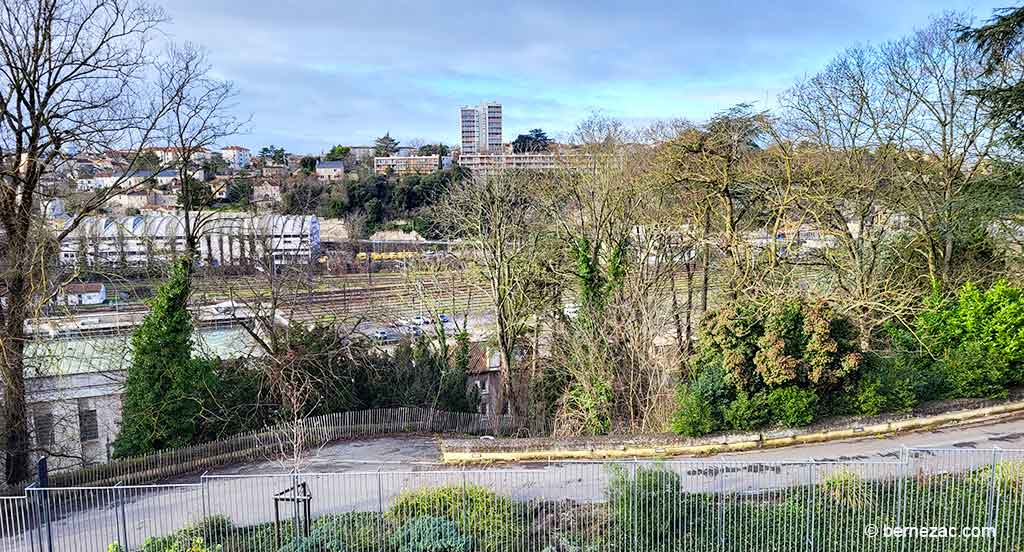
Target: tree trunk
column 675, row 313
column 12, row 363
column 689, row 307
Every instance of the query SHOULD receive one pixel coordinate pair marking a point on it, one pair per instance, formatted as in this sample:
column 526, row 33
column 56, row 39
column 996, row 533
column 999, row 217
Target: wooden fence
column 274, row 442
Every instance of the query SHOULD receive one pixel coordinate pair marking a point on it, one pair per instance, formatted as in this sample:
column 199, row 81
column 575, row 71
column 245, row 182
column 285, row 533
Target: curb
column 761, row 441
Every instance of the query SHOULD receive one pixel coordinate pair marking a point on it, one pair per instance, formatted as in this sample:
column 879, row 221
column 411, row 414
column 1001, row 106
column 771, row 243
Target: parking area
column 393, row 453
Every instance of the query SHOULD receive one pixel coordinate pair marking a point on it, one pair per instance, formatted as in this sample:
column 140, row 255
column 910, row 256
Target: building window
column 88, row 425
column 44, row 429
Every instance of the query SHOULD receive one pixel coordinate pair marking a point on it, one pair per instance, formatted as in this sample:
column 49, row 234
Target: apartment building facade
column 238, row 157
column 408, row 164
column 487, row 163
column 481, row 128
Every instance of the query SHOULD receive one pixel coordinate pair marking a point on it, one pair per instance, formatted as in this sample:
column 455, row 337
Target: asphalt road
column 369, row 475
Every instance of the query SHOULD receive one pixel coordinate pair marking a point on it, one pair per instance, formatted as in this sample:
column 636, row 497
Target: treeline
column 328, row 375
column 856, row 250
column 373, row 201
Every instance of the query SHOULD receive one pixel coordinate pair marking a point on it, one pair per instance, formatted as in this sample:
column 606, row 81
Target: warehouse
column 225, row 240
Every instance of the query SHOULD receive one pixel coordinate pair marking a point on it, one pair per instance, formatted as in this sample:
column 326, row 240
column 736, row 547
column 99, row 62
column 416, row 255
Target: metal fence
column 256, row 445
column 924, row 499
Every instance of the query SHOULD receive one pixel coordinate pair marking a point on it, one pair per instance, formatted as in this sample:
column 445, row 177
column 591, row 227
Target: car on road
column 382, row 336
column 421, row 320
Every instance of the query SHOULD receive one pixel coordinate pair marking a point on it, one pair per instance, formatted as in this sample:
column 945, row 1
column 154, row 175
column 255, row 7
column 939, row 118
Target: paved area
column 399, row 453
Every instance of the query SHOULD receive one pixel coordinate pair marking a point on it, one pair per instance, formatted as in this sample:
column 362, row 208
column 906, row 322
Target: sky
column 316, row 73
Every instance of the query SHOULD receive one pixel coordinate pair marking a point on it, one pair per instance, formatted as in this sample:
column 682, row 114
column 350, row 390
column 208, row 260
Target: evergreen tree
column 385, row 146
column 160, row 406
column 535, row 141
column 454, row 394
column 998, row 40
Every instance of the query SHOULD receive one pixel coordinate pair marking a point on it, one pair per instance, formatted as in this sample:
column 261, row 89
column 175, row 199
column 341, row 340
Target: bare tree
column 198, row 118
column 848, row 128
column 72, row 78
column 621, row 250
column 502, row 229
column 948, row 135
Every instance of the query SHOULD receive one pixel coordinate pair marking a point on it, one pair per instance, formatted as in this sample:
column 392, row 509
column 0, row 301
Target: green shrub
column 495, row 522
column 699, row 403
column 976, row 339
column 644, row 504
column 747, row 411
column 847, row 488
column 325, row 538
column 975, row 371
column 430, row 534
column 793, row 406
column 361, row 531
column 793, row 350
column 180, row 542
column 888, row 386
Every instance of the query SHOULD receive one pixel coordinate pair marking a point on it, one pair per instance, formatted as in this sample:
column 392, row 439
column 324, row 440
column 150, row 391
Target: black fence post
column 43, row 478
column 122, row 515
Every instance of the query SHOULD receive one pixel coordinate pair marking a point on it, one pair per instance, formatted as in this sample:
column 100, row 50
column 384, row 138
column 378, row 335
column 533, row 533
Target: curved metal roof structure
column 173, row 226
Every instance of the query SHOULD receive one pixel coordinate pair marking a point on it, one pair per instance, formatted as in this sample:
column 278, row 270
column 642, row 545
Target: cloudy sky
column 314, row 73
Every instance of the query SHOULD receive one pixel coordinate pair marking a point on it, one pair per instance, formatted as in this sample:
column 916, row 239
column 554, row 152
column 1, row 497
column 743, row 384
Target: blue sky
column 316, row 73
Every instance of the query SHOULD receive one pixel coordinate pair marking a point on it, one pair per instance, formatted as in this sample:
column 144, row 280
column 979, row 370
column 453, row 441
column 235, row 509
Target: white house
column 170, row 154
column 330, row 170
column 82, row 294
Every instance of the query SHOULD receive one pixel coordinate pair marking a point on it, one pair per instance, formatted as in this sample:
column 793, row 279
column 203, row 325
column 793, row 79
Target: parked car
column 444, row 318
column 382, row 336
column 421, row 320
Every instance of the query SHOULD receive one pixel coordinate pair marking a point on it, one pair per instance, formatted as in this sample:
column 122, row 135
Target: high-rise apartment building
column 481, row 128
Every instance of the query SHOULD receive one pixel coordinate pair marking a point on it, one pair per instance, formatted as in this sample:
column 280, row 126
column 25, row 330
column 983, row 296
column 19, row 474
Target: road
column 369, row 475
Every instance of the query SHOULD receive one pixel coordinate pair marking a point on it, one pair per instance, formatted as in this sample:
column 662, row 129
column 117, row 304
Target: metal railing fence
column 974, row 498
column 275, row 441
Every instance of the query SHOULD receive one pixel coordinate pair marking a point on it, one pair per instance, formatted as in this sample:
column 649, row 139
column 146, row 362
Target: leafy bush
column 888, row 386
column 495, row 522
column 975, row 371
column 763, row 363
column 191, row 538
column 747, row 411
column 699, row 403
column 360, row 531
column 792, row 405
column 430, row 534
column 325, row 538
column 975, row 340
column 643, row 505
column 181, row 542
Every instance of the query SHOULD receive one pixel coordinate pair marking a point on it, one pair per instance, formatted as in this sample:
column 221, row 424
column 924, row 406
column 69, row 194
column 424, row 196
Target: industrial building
column 225, row 240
